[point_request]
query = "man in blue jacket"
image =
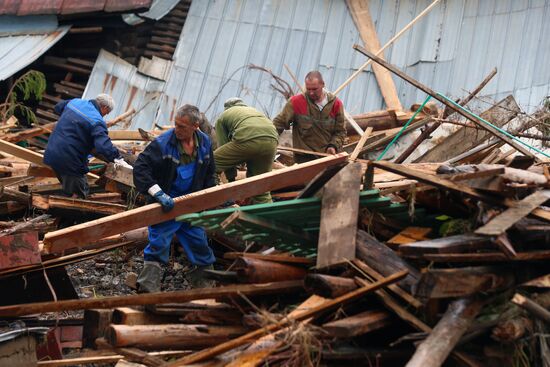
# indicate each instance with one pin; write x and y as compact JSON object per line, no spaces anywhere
{"x":178,"y":162}
{"x":80,"y":131}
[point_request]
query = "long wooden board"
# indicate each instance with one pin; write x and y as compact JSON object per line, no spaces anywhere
{"x":360,"y":13}
{"x":28,"y":155}
{"x":509,"y":217}
{"x":84,"y":233}
{"x":339,"y":212}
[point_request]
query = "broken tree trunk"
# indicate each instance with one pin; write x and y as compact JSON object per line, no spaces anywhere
{"x":433,"y":351}
{"x":171,"y":336}
{"x":251,"y":270}
{"x":328,"y":286}
{"x":191,"y":203}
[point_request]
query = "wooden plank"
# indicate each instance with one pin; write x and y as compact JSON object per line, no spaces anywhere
{"x":540,"y":255}
{"x":120,"y":174}
{"x":82,"y":205}
{"x":28,"y":155}
{"x":461,"y":282}
{"x":100,"y":359}
{"x":464,"y":139}
{"x":518,"y":146}
{"x":128,"y":135}
{"x":313,"y":312}
{"x":191,"y":203}
{"x":450,"y":244}
{"x":510,"y":216}
{"x":339,"y":213}
{"x":360,"y":13}
{"x":150,"y":298}
{"x":359,"y":324}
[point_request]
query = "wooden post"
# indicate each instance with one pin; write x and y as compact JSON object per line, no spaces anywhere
{"x":328,"y":286}
{"x":259,"y":271}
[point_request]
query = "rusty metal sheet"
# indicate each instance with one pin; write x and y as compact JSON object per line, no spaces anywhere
{"x":19,"y":250}
{"x":123,"y":5}
{"x":9,"y":7}
{"x":81,"y":6}
{"x":34,"y":7}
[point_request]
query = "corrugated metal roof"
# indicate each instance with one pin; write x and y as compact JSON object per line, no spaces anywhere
{"x":451,"y":50}
{"x":128,"y":87}
{"x":19,"y":50}
{"x":159,"y":8}
{"x":34,"y":7}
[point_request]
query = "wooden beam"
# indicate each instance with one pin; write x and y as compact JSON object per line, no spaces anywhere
{"x":28,"y":155}
{"x":150,"y":298}
{"x":360,"y":13}
{"x":120,"y":174}
{"x":339,"y":215}
{"x":359,"y":324}
{"x":81,"y":205}
{"x":451,"y":244}
{"x":509,"y":217}
{"x":313,"y":312}
{"x":191,"y":203}
{"x":328,"y":286}
{"x":425,"y":89}
{"x":275,"y":258}
{"x":100,"y":359}
{"x":486,"y":257}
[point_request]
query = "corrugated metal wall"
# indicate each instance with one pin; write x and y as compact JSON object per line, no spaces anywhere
{"x":451,"y":50}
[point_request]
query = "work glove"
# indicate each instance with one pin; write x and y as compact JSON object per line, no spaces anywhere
{"x":120,"y":162}
{"x":162,"y":198}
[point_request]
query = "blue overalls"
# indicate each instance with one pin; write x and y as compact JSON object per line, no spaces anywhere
{"x":192,"y":239}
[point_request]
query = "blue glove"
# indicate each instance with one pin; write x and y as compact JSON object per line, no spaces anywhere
{"x":166,"y":201}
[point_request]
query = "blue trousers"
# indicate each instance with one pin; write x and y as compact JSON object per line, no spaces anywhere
{"x":192,"y":239}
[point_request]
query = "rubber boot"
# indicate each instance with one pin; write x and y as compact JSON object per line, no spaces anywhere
{"x":149,"y":280}
{"x":197,"y":277}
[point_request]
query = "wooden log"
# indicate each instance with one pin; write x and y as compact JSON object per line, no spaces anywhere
{"x":251,"y":270}
{"x":313,"y":312}
{"x":359,"y":324}
{"x":532,"y":307}
{"x":385,"y":261}
{"x":328,"y":286}
{"x":462,"y":282}
{"x":171,"y":336}
{"x":194,"y":202}
{"x":476,"y":120}
{"x":150,"y":298}
{"x":339,"y":213}
{"x":16,"y":195}
{"x":433,"y":351}
{"x":11,"y":207}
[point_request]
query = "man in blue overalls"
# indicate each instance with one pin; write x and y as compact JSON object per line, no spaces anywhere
{"x":178,"y":162}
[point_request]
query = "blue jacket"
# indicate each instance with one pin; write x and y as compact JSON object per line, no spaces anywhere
{"x":158,"y":164}
{"x":79,"y":131}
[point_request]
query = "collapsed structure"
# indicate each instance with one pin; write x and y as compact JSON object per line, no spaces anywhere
{"x":425,"y":242}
